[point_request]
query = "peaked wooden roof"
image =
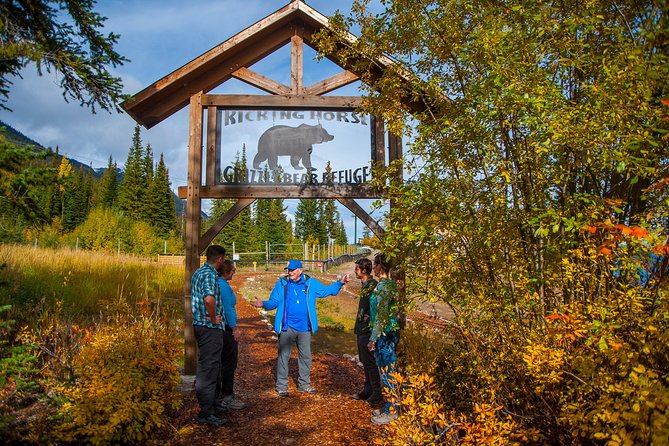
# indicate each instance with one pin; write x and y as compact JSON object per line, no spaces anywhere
{"x":204,"y":73}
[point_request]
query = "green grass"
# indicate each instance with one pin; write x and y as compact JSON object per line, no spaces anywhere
{"x":84,"y":283}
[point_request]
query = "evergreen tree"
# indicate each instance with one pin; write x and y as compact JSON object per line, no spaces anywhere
{"x":308,"y":222}
{"x":240,"y":230}
{"x":108,"y":186}
{"x":133,"y":187}
{"x":161,"y":201}
{"x":341,"y":238}
{"x":330,"y":218}
{"x":77,"y":199}
{"x":147,"y":178}
{"x":262,"y":222}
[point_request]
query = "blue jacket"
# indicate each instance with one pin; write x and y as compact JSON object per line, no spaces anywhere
{"x":315,"y":290}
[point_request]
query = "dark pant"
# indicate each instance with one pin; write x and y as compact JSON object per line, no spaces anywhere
{"x":229,"y":354}
{"x":210,"y":346}
{"x":372,"y":389}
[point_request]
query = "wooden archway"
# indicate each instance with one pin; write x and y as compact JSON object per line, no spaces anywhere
{"x":295,"y":24}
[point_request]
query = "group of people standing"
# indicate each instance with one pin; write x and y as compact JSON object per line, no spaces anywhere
{"x":294,"y":299}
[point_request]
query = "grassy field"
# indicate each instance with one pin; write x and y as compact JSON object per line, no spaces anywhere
{"x":84,"y":283}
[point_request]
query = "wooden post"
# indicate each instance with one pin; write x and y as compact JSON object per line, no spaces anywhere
{"x":213,"y":158}
{"x":193,"y":208}
{"x":297,"y":64}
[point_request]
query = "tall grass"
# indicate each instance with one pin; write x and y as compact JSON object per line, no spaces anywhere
{"x":83,"y":283}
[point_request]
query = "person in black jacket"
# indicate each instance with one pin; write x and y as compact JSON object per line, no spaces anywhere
{"x":371,"y":391}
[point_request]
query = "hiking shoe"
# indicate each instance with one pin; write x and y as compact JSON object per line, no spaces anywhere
{"x":232,"y":403}
{"x":384,"y":418}
{"x":360,"y":395}
{"x":220,"y":407}
{"x":211,"y":419}
{"x":309,"y":389}
{"x":282,"y":393}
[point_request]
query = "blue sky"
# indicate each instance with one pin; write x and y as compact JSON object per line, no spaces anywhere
{"x":158,"y":36}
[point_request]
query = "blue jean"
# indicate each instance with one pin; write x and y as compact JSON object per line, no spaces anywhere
{"x":386,"y":360}
{"x":287,"y":339}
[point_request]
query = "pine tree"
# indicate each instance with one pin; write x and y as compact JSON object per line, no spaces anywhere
{"x":147,"y":178}
{"x":241,"y":230}
{"x":108,"y":186}
{"x":308,"y":222}
{"x":341,"y":238}
{"x":161,"y":204}
{"x":330,"y":218}
{"x":133,"y":187}
{"x":77,"y":199}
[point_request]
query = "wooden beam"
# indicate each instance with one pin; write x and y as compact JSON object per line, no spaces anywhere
{"x":259,"y":81}
{"x":279,"y":102}
{"x":378,"y":141}
{"x":213,"y":147}
{"x":239,"y":206}
{"x":286,"y":191}
{"x":354,"y":207}
{"x":209,"y":75}
{"x":193,"y":208}
{"x":296,"y":64}
{"x":331,"y":83}
{"x":395,"y":154}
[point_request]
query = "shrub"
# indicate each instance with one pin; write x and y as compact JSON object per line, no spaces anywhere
{"x":126,"y":380}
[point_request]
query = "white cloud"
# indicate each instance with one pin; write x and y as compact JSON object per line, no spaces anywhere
{"x":158,"y":37}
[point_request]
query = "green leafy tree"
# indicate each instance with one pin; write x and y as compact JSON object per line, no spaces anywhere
{"x":536,"y":206}
{"x":65,"y":38}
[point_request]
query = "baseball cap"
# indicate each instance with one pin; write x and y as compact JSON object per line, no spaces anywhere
{"x":293,"y":264}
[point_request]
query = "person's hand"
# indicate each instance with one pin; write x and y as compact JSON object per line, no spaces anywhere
{"x":345,"y":279}
{"x":371,"y":346}
{"x":235,"y":334}
{"x":365,"y":318}
{"x":219,"y":319}
{"x":257,"y":303}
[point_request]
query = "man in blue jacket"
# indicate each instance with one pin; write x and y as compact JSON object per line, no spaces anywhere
{"x":294,"y":298}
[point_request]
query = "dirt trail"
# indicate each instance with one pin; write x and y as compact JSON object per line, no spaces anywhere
{"x":330,"y":417}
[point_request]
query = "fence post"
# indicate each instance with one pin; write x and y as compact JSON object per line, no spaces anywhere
{"x":118,"y":252}
{"x":35,"y":243}
{"x":76,"y":245}
{"x":165,"y":247}
{"x":266,"y":255}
